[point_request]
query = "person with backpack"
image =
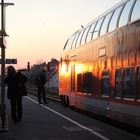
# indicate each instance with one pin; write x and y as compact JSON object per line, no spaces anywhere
{"x":15,"y":81}
{"x":40,"y":81}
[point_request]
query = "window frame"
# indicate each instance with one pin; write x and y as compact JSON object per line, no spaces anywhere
{"x":126,"y":95}
{"x":117,"y":19}
{"x":98,"y":31}
{"x":83,"y":41}
{"x":137,"y":83}
{"x":75,"y":40}
{"x":118,"y":95}
{"x":91,"y":32}
{"x":85,"y":83}
{"x":108,"y":77}
{"x":106,"y":24}
{"x":130,"y":18}
{"x":129,"y":13}
{"x":78,"y":42}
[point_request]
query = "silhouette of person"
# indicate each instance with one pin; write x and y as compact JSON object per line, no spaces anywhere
{"x":13,"y":80}
{"x":20,"y":81}
{"x":40,"y":81}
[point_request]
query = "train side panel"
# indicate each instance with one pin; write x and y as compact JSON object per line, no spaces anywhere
{"x":103,"y":76}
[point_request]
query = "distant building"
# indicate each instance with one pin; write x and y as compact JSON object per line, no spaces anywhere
{"x":52,"y":75}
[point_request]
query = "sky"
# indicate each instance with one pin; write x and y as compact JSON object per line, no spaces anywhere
{"x":38,"y":29}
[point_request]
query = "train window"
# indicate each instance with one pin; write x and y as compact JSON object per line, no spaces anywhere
{"x":138,"y":82}
{"x":85,"y":35}
{"x":125,"y":13}
{"x":118,"y":87}
{"x":75,"y":40}
{"x":106,"y":83}
{"x":136,"y":11}
{"x":79,"y":83}
{"x":87,"y":82}
{"x":97,"y":29}
{"x":78,"y":43}
{"x":66,"y":44}
{"x":128,"y":82}
{"x":114,"y":19}
{"x":90,"y":32}
{"x":105,"y":24}
{"x":69,"y":43}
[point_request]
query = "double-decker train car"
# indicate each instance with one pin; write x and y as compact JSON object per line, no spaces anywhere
{"x":99,"y":71}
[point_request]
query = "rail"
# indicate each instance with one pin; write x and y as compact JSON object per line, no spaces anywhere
{"x":50,"y":94}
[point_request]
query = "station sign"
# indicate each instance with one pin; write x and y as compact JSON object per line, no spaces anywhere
{"x":9,"y":61}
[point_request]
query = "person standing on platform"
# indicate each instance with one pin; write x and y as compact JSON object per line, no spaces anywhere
{"x":40,"y":81}
{"x":21,"y":91}
{"x":13,"y":80}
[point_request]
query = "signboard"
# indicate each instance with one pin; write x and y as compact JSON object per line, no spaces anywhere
{"x":102,"y":52}
{"x":9,"y":61}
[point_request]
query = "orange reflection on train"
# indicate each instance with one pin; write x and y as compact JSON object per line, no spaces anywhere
{"x":100,"y":67}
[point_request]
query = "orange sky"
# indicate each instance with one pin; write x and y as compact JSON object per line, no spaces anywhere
{"x":38,"y":29}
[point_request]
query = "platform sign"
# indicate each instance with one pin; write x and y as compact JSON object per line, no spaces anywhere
{"x":14,"y":61}
{"x":9,"y":61}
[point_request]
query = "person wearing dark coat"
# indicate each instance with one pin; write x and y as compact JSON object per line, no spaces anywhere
{"x":20,"y":81}
{"x":40,"y":81}
{"x":14,"y":81}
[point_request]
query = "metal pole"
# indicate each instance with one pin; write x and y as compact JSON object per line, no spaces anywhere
{"x":3,"y":45}
{"x":2,"y":66}
{"x":2,"y":57}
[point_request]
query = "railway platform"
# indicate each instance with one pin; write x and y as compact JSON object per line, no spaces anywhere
{"x":52,"y":121}
{"x":32,"y":91}
{"x":41,"y":122}
{"x":33,"y":125}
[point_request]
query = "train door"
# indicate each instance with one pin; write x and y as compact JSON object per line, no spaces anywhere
{"x":73,"y":79}
{"x":73,"y":88}
{"x":138,"y":82}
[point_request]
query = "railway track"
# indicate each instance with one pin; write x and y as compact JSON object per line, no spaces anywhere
{"x":49,"y":94}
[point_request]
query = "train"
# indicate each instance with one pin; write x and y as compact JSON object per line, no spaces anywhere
{"x":99,"y":69}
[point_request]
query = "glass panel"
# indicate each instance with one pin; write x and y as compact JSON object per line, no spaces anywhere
{"x":69,"y":42}
{"x":90,"y":32}
{"x":79,"y":83}
{"x":125,"y":13}
{"x":75,"y":40}
{"x":106,"y":83}
{"x":87,"y":82}
{"x":84,"y":36}
{"x":105,"y":24}
{"x":128,"y":82}
{"x":79,"y":38}
{"x":97,"y":29}
{"x":114,"y":19}
{"x":138,"y":82}
{"x":136,"y":11}
{"x":118,"y":87}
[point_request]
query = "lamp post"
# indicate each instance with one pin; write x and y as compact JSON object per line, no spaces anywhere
{"x":3,"y":34}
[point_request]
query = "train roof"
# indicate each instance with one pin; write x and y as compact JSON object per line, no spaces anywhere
{"x":108,"y":11}
{"x":111,"y":11}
